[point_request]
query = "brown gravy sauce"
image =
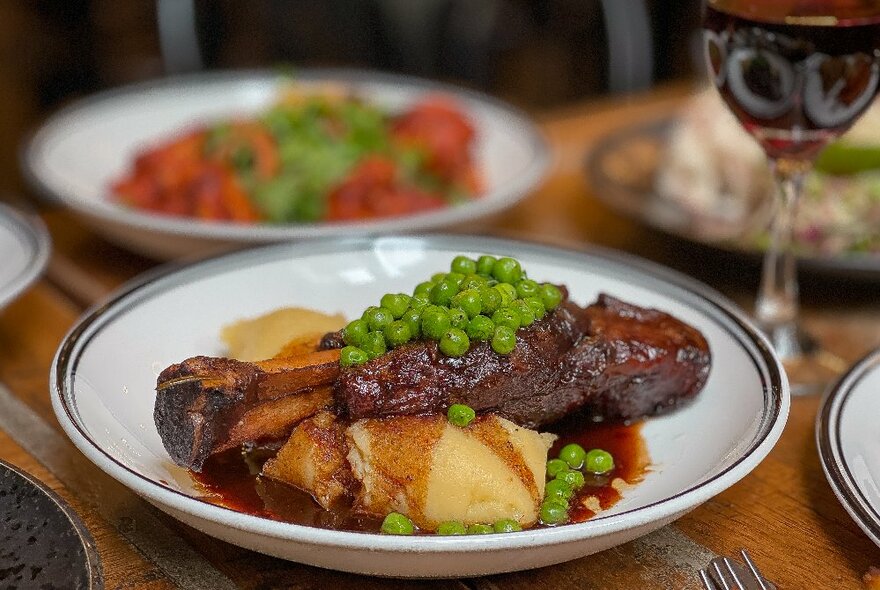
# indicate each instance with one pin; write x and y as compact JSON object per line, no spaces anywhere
{"x":231,"y":479}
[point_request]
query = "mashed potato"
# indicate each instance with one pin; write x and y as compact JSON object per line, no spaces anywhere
{"x":265,"y":336}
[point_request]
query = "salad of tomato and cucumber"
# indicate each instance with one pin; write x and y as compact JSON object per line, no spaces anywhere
{"x":328,"y":156}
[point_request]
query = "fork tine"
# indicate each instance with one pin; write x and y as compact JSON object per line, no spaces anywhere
{"x":707,"y":581}
{"x":729,"y":565}
{"x":754,"y":569}
{"x":720,"y":575}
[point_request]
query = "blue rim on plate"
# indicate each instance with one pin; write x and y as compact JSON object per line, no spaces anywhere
{"x":829,"y":443}
{"x":671,"y":283}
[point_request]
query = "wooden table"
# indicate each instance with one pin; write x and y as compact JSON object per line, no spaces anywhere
{"x":784,"y":512}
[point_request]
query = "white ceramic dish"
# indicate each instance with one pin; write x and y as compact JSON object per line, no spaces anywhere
{"x":848,"y":438}
{"x":103,"y":377}
{"x":80,"y":150}
{"x":24,"y":251}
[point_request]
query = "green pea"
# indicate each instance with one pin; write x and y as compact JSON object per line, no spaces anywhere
{"x":437,"y":277}
{"x":537,"y":306}
{"x":506,"y":525}
{"x":480,"y":328}
{"x":490,"y":301}
{"x":374,"y":345}
{"x":550,"y":295}
{"x":378,"y":318}
{"x":480,"y":529}
{"x":506,"y":316}
{"x":451,"y":527}
{"x":435,"y":322}
{"x":505,"y":296}
{"x":555,"y":466}
{"x":507,"y":270}
{"x":353,"y":334}
{"x":397,"y":333}
{"x":473,"y":282}
{"x":599,"y":462}
{"x":503,"y":340}
{"x":396,"y":303}
{"x":573,"y":478}
{"x":419,"y":301}
{"x":556,"y":488}
{"x":554,"y":512}
{"x":454,"y":342}
{"x":468,"y":301}
{"x":397,"y":524}
{"x":458,"y":319}
{"x":527,"y":288}
{"x":351,"y":356}
{"x":526,"y":315}
{"x":455,"y":277}
{"x":424,"y":288}
{"x":574,"y":455}
{"x":443,"y":292}
{"x":460,"y":415}
{"x":413,"y":319}
{"x":464,"y":265}
{"x":485,"y":264}
{"x":508,"y":292}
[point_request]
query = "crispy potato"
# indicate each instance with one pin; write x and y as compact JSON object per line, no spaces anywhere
{"x":313,"y":460}
{"x":432,"y":471}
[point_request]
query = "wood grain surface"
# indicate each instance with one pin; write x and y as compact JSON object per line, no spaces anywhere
{"x":784,"y":512}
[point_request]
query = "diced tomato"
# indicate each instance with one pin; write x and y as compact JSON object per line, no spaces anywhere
{"x":257,"y":138}
{"x":372,"y":191}
{"x":439,"y":128}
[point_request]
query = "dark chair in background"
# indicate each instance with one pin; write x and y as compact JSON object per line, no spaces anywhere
{"x":430,"y":36}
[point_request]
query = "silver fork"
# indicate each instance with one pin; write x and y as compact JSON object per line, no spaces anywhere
{"x":723,"y":573}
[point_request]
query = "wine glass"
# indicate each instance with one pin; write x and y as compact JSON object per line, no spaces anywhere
{"x":797,"y":74}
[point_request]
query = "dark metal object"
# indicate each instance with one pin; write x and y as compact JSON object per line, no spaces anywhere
{"x":723,"y":573}
{"x":43,"y":543}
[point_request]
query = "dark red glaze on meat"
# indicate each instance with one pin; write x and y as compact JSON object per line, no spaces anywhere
{"x":614,"y":359}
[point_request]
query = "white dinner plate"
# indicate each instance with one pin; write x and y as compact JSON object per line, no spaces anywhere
{"x":24,"y":251}
{"x":103,"y":377}
{"x":848,"y":438}
{"x":80,"y":150}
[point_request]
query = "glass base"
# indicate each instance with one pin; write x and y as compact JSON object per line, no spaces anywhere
{"x":810,"y":368}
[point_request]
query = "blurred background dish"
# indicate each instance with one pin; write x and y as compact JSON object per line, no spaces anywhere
{"x":700,"y":176}
{"x":80,"y":152}
{"x":24,"y":250}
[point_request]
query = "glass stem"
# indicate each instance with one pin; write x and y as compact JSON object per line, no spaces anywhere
{"x":777,"y":304}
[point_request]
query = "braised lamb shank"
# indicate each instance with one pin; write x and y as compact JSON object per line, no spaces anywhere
{"x":610,"y":360}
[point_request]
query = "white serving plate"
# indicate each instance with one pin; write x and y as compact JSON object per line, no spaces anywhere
{"x":848,"y":439}
{"x":80,"y":150}
{"x":24,"y":251}
{"x":103,"y":377}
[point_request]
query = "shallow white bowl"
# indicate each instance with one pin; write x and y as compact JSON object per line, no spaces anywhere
{"x":80,"y":150}
{"x":103,"y":377}
{"x":848,"y":439}
{"x":24,"y":252}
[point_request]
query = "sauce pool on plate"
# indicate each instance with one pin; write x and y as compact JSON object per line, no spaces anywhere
{"x":231,"y":480}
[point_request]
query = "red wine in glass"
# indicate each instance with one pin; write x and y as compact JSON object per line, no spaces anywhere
{"x":796,"y":74}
